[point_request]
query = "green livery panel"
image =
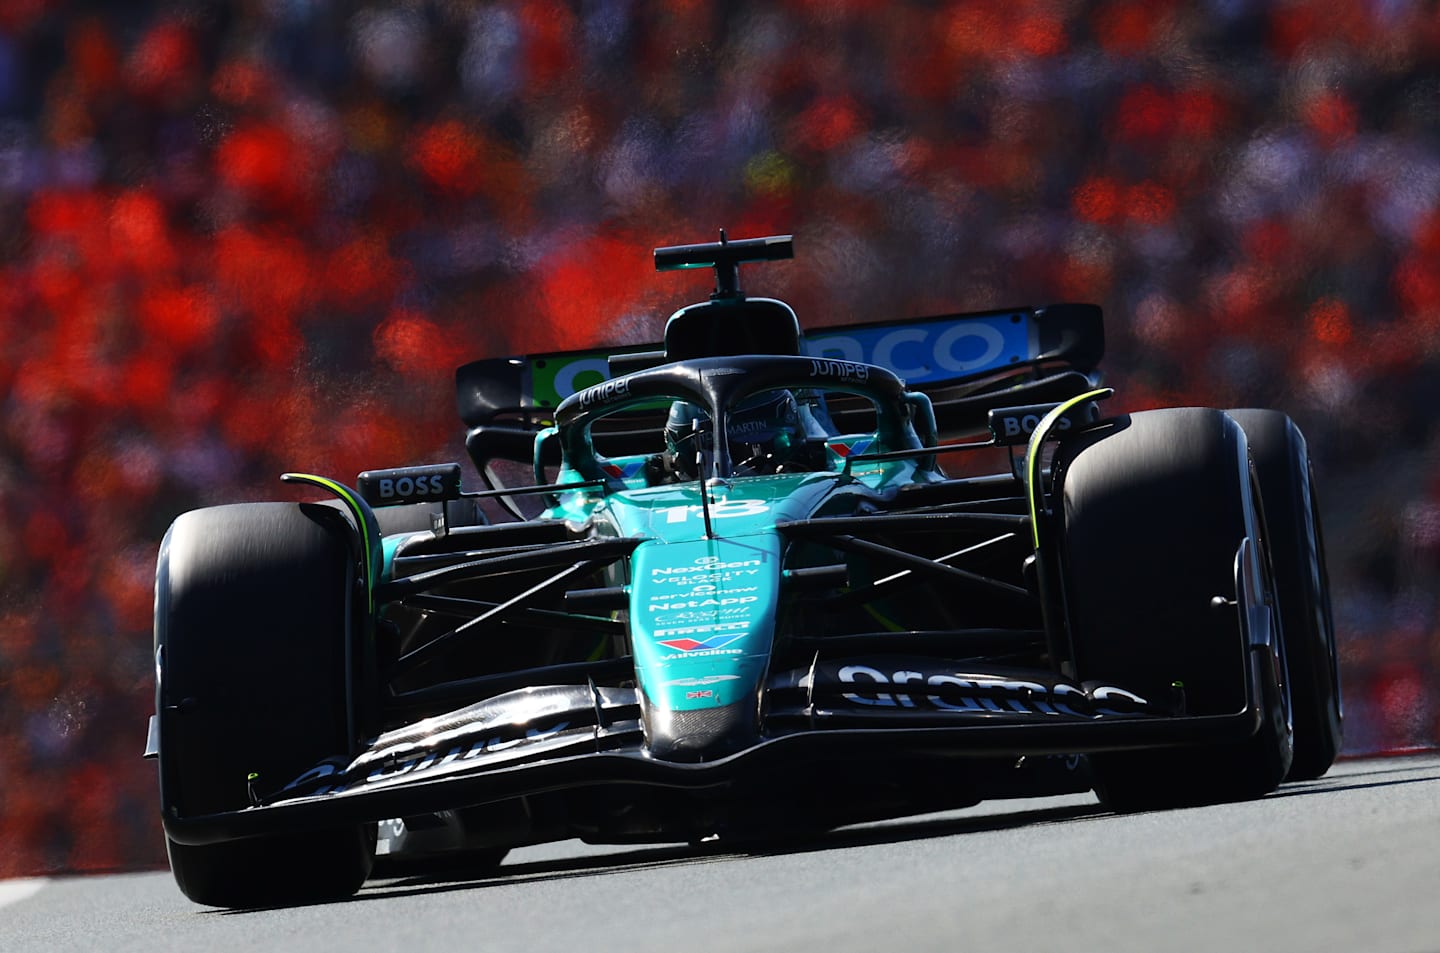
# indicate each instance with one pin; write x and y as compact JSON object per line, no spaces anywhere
{"x":703,"y":617}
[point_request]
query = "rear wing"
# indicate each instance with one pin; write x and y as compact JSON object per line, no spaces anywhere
{"x":967,"y":364}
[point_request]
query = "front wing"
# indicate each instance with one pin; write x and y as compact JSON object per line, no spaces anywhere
{"x":559,"y":738}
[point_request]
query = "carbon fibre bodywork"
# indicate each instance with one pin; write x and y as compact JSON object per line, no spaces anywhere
{"x":848,"y":634}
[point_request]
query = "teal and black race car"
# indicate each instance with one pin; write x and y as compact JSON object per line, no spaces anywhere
{"x":762,"y":584}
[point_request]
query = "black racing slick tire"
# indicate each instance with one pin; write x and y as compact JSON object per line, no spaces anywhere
{"x":1302,"y":588}
{"x":1155,"y":506}
{"x":254,"y":617}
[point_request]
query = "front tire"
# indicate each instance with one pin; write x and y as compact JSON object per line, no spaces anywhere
{"x":312,"y":867}
{"x":1155,"y":508}
{"x":1302,"y":587}
{"x":253,"y":635}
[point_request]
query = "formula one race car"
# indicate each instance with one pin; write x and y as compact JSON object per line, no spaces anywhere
{"x":754,"y":600}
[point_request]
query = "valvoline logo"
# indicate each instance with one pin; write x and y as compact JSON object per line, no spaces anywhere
{"x":849,"y":448}
{"x":624,"y":470}
{"x":695,"y":645}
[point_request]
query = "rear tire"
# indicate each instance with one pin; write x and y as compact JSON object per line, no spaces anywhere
{"x":1297,"y":553}
{"x":253,"y":615}
{"x":1155,"y":507}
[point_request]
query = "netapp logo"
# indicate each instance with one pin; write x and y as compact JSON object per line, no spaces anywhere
{"x":707,"y":603}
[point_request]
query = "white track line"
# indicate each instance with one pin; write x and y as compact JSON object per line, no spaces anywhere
{"x":13,"y":891}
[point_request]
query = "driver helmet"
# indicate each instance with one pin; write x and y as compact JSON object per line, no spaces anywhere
{"x":765,"y":431}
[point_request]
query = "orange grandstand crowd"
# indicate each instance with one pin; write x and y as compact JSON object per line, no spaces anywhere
{"x":239,"y":238}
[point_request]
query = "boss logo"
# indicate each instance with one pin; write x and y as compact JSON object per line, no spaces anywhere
{"x":1014,"y":425}
{"x":405,"y":486}
{"x":410,"y":485}
{"x":1025,"y":424}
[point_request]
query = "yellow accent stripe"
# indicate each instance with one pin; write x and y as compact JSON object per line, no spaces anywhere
{"x":1037,"y":440}
{"x":889,"y":624}
{"x":349,"y":499}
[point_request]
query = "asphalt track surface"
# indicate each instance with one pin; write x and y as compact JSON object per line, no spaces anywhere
{"x":1350,"y":862}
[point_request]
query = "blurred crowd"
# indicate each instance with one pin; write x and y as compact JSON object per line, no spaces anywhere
{"x":243,"y":237}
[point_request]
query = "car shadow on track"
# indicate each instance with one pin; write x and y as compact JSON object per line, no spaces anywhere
{"x":432,"y":880}
{"x":718,"y":851}
{"x":1355,"y":782}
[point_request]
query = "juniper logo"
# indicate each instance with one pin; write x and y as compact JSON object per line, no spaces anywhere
{"x":844,"y":370}
{"x":607,"y":391}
